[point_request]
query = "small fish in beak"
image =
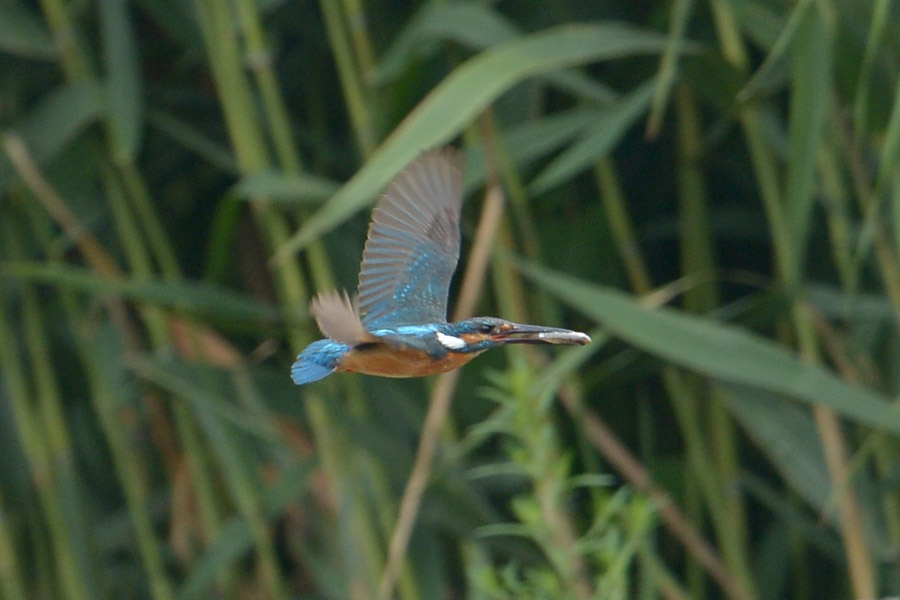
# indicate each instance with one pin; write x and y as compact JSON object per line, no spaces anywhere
{"x":536,"y":334}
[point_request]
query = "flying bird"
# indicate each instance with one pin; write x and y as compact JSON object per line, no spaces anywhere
{"x":398,"y":327}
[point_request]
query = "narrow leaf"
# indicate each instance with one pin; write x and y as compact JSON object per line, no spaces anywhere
{"x":874,"y":46}
{"x":600,"y":139}
{"x":288,"y":188}
{"x":774,"y":68}
{"x":123,"y":79}
{"x":202,"y":298}
{"x":787,"y":435}
{"x":810,"y":86}
{"x":533,"y":140}
{"x":668,"y":65}
{"x":194,"y":140}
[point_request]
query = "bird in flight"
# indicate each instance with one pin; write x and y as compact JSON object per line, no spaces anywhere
{"x":398,"y":327}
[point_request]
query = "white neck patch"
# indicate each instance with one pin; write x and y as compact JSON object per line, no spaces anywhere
{"x":450,"y":342}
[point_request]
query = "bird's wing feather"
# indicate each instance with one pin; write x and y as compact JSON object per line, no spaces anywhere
{"x":413,"y":244}
{"x":337,"y":319}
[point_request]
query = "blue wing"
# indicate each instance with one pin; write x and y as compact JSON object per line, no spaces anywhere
{"x":413,"y":244}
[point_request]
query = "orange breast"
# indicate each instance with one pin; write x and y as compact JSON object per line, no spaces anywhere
{"x":391,"y":362}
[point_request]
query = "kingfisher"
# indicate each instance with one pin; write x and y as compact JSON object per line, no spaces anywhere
{"x":398,"y":325}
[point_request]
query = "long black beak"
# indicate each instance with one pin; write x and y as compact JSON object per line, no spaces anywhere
{"x":536,"y":334}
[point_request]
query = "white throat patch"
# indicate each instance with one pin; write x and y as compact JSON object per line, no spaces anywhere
{"x":450,"y":342}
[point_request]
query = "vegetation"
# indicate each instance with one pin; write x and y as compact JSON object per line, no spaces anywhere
{"x":710,"y":189}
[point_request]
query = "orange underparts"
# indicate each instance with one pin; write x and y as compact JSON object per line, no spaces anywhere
{"x":386,"y":361}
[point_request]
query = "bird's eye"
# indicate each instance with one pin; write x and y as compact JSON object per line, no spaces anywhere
{"x":486,"y":328}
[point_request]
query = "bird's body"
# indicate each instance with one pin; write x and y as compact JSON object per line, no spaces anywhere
{"x":388,"y":355}
{"x":387,"y":361}
{"x":399,"y":328}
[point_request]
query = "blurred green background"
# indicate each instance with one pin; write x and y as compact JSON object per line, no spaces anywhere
{"x":710,"y":189}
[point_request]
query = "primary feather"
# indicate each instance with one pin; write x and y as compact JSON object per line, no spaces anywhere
{"x":413,"y":244}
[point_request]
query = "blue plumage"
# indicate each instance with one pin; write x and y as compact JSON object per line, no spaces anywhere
{"x":413,"y":245}
{"x":317,"y":360}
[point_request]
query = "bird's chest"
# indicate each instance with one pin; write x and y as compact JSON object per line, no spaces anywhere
{"x":386,"y":361}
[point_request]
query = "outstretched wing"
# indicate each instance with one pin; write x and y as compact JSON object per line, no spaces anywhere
{"x":413,"y":244}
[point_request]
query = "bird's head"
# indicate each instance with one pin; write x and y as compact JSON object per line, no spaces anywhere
{"x":482,"y":333}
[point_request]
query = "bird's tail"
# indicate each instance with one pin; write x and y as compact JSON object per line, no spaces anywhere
{"x":318,"y":360}
{"x":305,"y":371}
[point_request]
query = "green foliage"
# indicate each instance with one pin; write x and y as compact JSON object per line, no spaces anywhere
{"x":609,"y":544}
{"x":177,"y":179}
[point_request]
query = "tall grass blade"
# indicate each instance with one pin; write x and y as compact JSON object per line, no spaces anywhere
{"x":811,"y":81}
{"x":773,"y":71}
{"x":195,"y":141}
{"x":598,"y":139}
{"x":196,"y":297}
{"x":287,"y":188}
{"x":875,"y":39}
{"x":124,"y":110}
{"x":668,"y":65}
